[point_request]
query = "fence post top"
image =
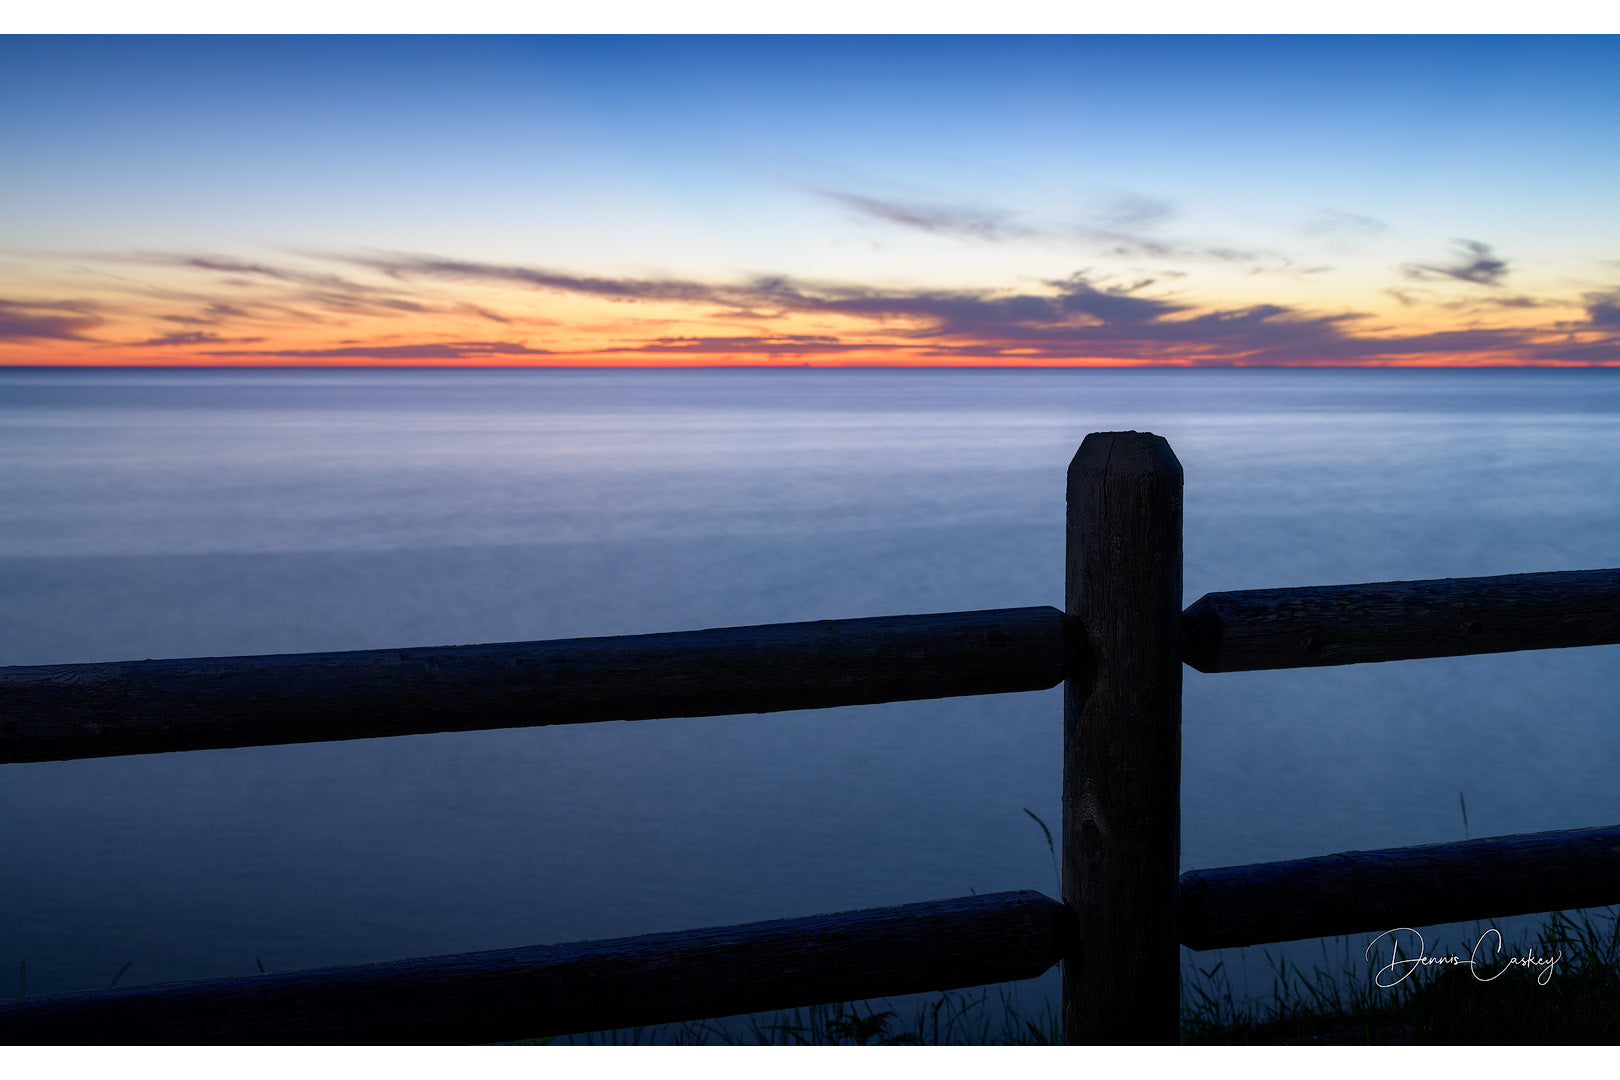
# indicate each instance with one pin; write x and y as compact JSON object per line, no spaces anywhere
{"x":1136,"y":452}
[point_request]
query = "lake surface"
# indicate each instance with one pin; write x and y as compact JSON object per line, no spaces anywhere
{"x":208,"y":513}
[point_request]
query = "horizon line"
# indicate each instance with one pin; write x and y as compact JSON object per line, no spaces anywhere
{"x":1080,"y":366}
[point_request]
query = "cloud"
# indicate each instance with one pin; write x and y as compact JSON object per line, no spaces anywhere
{"x":450,"y":350}
{"x":1126,"y":245}
{"x":483,"y":313}
{"x":243,"y":269}
{"x":194,"y":337}
{"x":933,"y":218}
{"x":1079,"y":318}
{"x":320,"y":290}
{"x":780,"y":345}
{"x":354,"y":305}
{"x":1602,"y":351}
{"x":1329,"y":221}
{"x":1129,"y":212}
{"x":1076,"y":317}
{"x":1262,"y":333}
{"x":403,"y":266}
{"x":1118,"y":225}
{"x":1477,"y":264}
{"x":21,"y":321}
{"x":1603,"y":308}
{"x":1075,"y":302}
{"x":1115,"y":305}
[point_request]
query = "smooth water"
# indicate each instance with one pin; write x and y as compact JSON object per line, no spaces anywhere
{"x":188,"y":513}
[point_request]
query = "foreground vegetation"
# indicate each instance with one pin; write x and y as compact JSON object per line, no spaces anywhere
{"x":1504,"y":1001}
{"x":982,"y":1017}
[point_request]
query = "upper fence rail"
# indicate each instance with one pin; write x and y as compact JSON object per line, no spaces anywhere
{"x":1400,"y":620}
{"x":67,"y":711}
{"x":151,"y":706}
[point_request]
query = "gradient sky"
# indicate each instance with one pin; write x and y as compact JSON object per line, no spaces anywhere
{"x":823,"y":200}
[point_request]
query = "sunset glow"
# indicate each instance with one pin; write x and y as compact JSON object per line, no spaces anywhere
{"x":796,"y":200}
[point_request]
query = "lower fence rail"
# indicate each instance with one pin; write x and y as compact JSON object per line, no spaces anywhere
{"x":1373,"y":891}
{"x":542,"y":990}
{"x":508,"y":994}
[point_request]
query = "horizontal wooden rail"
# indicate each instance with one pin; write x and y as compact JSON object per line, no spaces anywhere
{"x":1400,"y":620}
{"x":509,"y":994}
{"x":1375,"y":891}
{"x":152,"y":706}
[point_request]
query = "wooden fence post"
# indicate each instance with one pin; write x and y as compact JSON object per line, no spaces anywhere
{"x":1122,"y":741}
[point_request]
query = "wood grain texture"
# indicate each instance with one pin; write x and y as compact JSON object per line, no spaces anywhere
{"x":1122,"y":741}
{"x":152,"y":706}
{"x":505,"y":995}
{"x":1375,"y":891}
{"x":1401,"y":620}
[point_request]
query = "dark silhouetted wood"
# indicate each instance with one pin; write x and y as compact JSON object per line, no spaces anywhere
{"x":1401,"y":620}
{"x":152,"y":706}
{"x":1122,"y":741}
{"x":509,"y":994}
{"x":1375,"y":891}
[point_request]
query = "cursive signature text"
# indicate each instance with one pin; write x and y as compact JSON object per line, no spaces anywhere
{"x":1401,"y":967}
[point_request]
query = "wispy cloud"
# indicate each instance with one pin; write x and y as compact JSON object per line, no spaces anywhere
{"x":245,"y":270}
{"x":1132,"y":212}
{"x":784,"y":345}
{"x":405,"y":266}
{"x":286,"y":290}
{"x":1476,"y":264}
{"x":1119,"y":225}
{"x":484,"y":313}
{"x":1328,"y":222}
{"x":450,"y":350}
{"x":21,"y":321}
{"x":941,"y":219}
{"x":194,"y":337}
{"x":1122,"y":225}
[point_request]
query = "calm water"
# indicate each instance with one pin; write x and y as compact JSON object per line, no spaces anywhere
{"x":167,"y":514}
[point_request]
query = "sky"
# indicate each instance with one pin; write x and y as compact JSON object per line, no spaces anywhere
{"x":826,"y":200}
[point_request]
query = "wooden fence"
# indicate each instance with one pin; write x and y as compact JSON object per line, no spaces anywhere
{"x":1118,"y":649}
